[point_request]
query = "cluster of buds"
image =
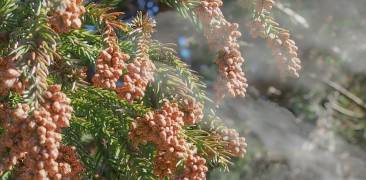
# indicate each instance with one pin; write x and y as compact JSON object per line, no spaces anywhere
{"x":141,"y":70}
{"x":67,"y":15}
{"x":140,"y":74}
{"x":213,"y":22}
{"x":37,"y":137}
{"x":71,"y":161}
{"x":54,"y":114}
{"x":162,"y":128}
{"x":235,"y":144}
{"x":222,"y":37}
{"x":111,"y":62}
{"x":165,"y":164}
{"x":232,"y":78}
{"x":166,"y":160}
{"x":16,"y":138}
{"x":9,"y":76}
{"x":283,"y":48}
{"x":193,"y":111}
{"x":195,"y":168}
{"x":109,"y":67}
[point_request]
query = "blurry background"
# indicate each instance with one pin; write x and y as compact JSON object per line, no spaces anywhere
{"x":311,"y":128}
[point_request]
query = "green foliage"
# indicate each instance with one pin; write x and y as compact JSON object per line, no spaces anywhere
{"x":99,"y":130}
{"x":98,"y":14}
{"x":210,"y":146}
{"x":7,"y":176}
{"x":82,"y":45}
{"x":34,"y":43}
{"x":185,"y":8}
{"x":6,"y":15}
{"x":175,"y":78}
{"x":112,"y":3}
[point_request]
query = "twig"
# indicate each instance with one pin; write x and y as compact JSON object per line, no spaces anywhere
{"x":341,"y":90}
{"x":346,"y":112}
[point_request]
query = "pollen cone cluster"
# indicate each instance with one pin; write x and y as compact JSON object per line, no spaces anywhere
{"x":141,"y":70}
{"x":67,"y":16}
{"x":232,"y":78}
{"x":162,"y":128}
{"x":283,"y":48}
{"x":71,"y":161}
{"x":14,"y":143}
{"x":159,"y":127}
{"x":193,"y":111}
{"x":222,"y":37}
{"x":235,"y":144}
{"x":9,"y":76}
{"x":285,"y":52}
{"x":36,"y":138}
{"x":109,"y":67}
{"x":166,"y":160}
{"x":194,"y":168}
{"x":110,"y":63}
{"x":140,"y":74}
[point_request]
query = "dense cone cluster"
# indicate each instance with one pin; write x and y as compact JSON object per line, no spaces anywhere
{"x":166,"y":160}
{"x":9,"y":76}
{"x":222,"y":37}
{"x":210,"y":15}
{"x":232,"y":78}
{"x":53,"y":115}
{"x":111,"y":61}
{"x":15,"y":142}
{"x":283,"y":48}
{"x":194,"y":168}
{"x":37,"y":138}
{"x":141,"y":70}
{"x":140,"y":74}
{"x":165,"y":164}
{"x":285,"y":52}
{"x":159,"y":127}
{"x":71,"y":161}
{"x":235,"y":144}
{"x":66,"y":16}
{"x":162,"y":128}
{"x":109,"y":67}
{"x":193,"y":111}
